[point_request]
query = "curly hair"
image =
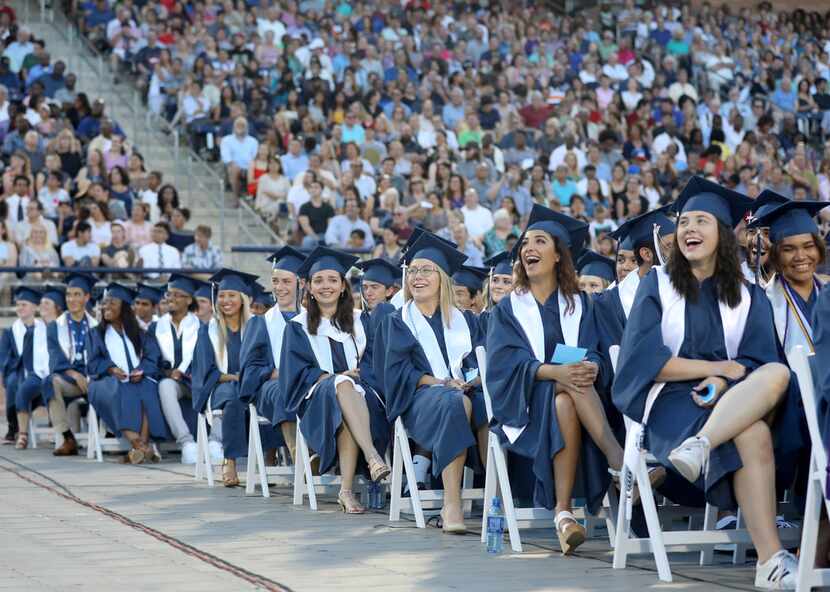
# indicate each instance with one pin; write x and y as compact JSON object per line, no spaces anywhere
{"x":343,"y":317}
{"x":727,"y":276}
{"x":775,"y":253}
{"x":566,"y":278}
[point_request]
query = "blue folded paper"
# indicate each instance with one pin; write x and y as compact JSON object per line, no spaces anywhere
{"x":567,"y":354}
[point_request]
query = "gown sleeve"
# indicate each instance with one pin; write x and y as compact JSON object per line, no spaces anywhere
{"x":298,"y":367}
{"x":403,"y":362}
{"x":476,"y":337}
{"x":589,"y":338}
{"x":511,"y":367}
{"x":164,"y":365}
{"x":255,"y":358}
{"x":369,"y":371}
{"x":204,"y":372}
{"x":821,"y":361}
{"x":759,"y":344}
{"x":58,"y":361}
{"x":5,"y":351}
{"x":98,"y":359}
{"x":150,"y":356}
{"x":642,"y":352}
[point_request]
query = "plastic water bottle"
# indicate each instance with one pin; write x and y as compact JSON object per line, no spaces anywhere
{"x":375,"y":498}
{"x":495,"y":527}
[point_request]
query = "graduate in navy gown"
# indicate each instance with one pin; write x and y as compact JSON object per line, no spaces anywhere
{"x":52,"y":303}
{"x":145,"y":305}
{"x":397,"y":300}
{"x":66,"y":340}
{"x":756,"y":249}
{"x":341,"y":416}
{"x":430,"y":376}
{"x":499,"y":284}
{"x":216,"y":367}
{"x":379,"y":283}
{"x":176,"y":332}
{"x":468,"y":283}
{"x":262,"y":348}
{"x":28,"y":360}
{"x":821,"y":367}
{"x":262,"y":300}
{"x":204,"y":301}
{"x":797,"y":250}
{"x":123,"y":368}
{"x":596,"y":273}
{"x":695,"y":324}
{"x":544,"y":410}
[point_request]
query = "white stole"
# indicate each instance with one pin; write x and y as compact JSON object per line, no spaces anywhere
{"x":397,"y":300}
{"x":526,"y":310}
{"x":456,"y":336}
{"x":275,"y":323}
{"x":627,"y":289}
{"x":40,"y":352}
{"x":220,"y":356}
{"x":673,"y":325}
{"x":118,"y":355}
{"x":189,"y":330}
{"x":65,"y":339}
{"x":786,"y":325}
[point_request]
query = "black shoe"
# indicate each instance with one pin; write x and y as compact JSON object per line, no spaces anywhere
{"x":10,"y":438}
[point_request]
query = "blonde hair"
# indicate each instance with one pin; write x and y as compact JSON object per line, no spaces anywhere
{"x":446,"y":296}
{"x":244,"y":316}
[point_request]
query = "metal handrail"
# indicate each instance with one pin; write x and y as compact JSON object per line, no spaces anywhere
{"x":272,"y":248}
{"x":103,"y":270}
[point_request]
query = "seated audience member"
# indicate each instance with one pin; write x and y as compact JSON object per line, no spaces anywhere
{"x":158,"y":254}
{"x":202,"y":254}
{"x":81,"y":251}
{"x":238,"y":150}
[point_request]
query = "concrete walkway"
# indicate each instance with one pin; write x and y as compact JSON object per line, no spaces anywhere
{"x":72,"y":524}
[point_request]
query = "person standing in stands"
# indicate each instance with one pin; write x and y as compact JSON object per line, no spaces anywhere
{"x":66,"y":339}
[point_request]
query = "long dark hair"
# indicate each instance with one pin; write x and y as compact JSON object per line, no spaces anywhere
{"x":566,"y":280}
{"x":343,"y":317}
{"x":129,"y":325}
{"x":727,"y":277}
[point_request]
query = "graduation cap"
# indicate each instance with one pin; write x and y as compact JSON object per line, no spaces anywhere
{"x":27,"y":295}
{"x":640,"y":230}
{"x":591,"y":263}
{"x":229,"y":279}
{"x":323,"y":258}
{"x":571,"y":232}
{"x":380,"y":271}
{"x":287,"y":259}
{"x":417,"y":232}
{"x":726,"y":205}
{"x":766,"y":202}
{"x":81,"y":280}
{"x":147,"y":292}
{"x":122,"y":293}
{"x":203,"y":289}
{"x":56,"y":294}
{"x":500,"y":264}
{"x":186,"y":284}
{"x":435,"y":249}
{"x":470,"y":277}
{"x":791,"y":218}
{"x":262,"y":296}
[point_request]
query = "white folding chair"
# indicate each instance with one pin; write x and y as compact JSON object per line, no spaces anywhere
{"x":497,"y":479}
{"x":204,"y":465}
{"x":809,"y":576}
{"x":419,"y":500}
{"x":40,"y":430}
{"x":96,"y":441}
{"x":306,"y":484}
{"x":256,"y":469}
{"x":635,"y":472}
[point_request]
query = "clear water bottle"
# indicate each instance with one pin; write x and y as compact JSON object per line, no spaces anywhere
{"x":495,"y":527}
{"x":375,"y":496}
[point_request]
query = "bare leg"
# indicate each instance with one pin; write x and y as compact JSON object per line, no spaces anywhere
{"x":745,"y":403}
{"x":483,"y":437}
{"x":591,"y":415}
{"x":755,"y":488}
{"x":347,"y":451}
{"x":564,"y":463}
{"x":356,"y":416}
{"x":451,"y":476}
{"x":289,"y":434}
{"x":23,"y":422}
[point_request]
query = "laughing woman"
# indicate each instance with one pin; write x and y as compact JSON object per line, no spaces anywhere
{"x":341,"y":416}
{"x":215,"y":366}
{"x":498,"y":285}
{"x":430,"y":375}
{"x":695,"y":330}
{"x":123,"y":368}
{"x":543,"y":407}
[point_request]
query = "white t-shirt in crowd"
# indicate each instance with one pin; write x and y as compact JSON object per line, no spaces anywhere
{"x":477,"y":220}
{"x":78,"y":252}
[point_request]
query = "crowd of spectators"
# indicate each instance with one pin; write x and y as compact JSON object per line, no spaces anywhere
{"x":350,"y":122}
{"x":75,"y":192}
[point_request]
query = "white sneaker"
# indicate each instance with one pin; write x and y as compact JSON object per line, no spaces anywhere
{"x":217,"y":453}
{"x":779,"y":572}
{"x":189,"y":453}
{"x":691,"y":457}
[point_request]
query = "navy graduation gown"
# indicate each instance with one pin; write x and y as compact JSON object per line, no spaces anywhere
{"x":371,"y":321}
{"x":121,"y":404}
{"x":433,"y":416}
{"x":30,"y":386}
{"x":519,"y":399}
{"x":320,"y":415}
{"x":610,"y":318}
{"x":9,"y":363}
{"x":821,"y":361}
{"x":674,"y":415}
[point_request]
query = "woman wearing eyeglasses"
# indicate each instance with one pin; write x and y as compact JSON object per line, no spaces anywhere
{"x":430,"y":377}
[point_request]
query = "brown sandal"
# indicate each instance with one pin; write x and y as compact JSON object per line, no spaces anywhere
{"x":378,"y":469}
{"x":347,"y":501}
{"x":570,"y":532}
{"x":22,"y":442}
{"x":230,"y":477}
